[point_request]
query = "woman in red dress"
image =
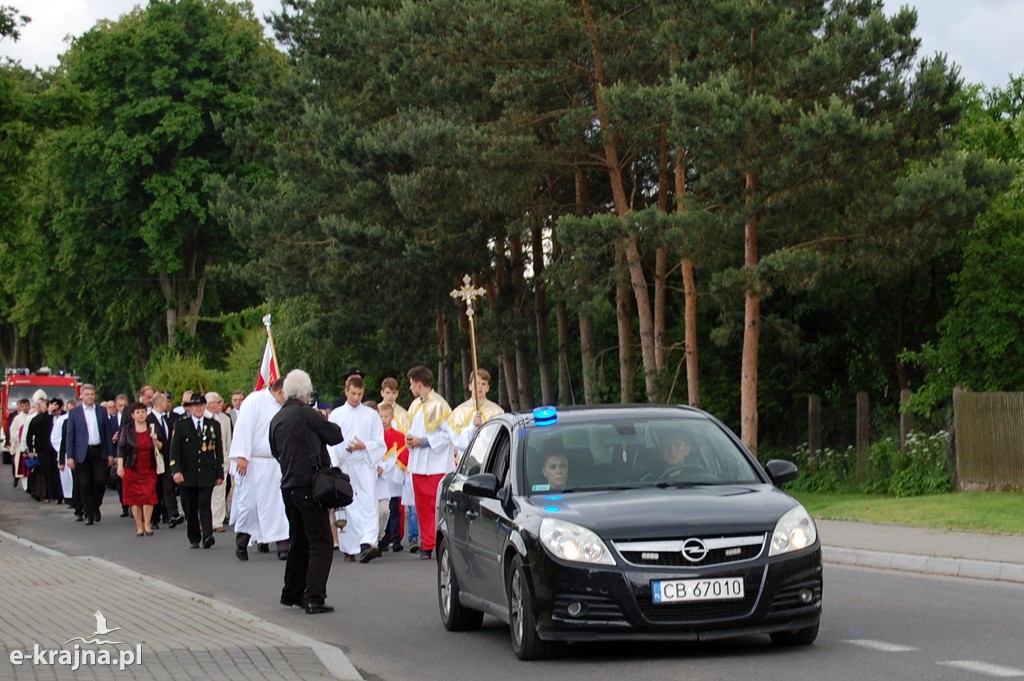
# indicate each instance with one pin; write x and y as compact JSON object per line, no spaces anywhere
{"x":138,"y":460}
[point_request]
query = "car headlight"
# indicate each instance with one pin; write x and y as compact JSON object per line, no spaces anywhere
{"x":794,"y":531}
{"x":569,"y":541}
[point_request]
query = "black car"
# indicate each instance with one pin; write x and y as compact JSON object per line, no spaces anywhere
{"x":625,"y":522}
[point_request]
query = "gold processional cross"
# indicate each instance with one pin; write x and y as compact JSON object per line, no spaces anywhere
{"x":467,"y":293}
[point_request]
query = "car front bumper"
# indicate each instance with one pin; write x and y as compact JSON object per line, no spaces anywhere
{"x":783,"y":593}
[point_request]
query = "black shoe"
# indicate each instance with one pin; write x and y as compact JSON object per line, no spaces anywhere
{"x":290,"y":602}
{"x":88,"y":520}
{"x":397,"y":548}
{"x":155,"y":526}
{"x":193,"y":546}
{"x":318,"y":608}
{"x":369,"y":553}
{"x":208,"y":542}
{"x":263,"y":548}
{"x":125,"y":513}
{"x":282,"y":555}
{"x":97,"y":516}
{"x":241,"y":554}
{"x":79,"y":517}
{"x":425,"y":554}
{"x":175,"y":521}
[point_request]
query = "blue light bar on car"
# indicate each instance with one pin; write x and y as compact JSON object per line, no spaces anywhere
{"x":545,"y":416}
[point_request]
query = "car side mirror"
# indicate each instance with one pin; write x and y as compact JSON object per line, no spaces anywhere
{"x":482,"y":485}
{"x":781,"y":471}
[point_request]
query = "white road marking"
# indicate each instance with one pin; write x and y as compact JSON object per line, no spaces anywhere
{"x":883,"y":646}
{"x":984,"y":668}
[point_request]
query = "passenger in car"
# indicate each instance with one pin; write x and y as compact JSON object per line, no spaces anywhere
{"x":556,"y":471}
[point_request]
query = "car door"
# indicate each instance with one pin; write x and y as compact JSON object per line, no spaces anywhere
{"x":461,"y":508}
{"x":487,"y":518}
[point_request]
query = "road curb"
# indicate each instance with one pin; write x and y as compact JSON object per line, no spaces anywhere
{"x":935,"y":565}
{"x":332,"y":657}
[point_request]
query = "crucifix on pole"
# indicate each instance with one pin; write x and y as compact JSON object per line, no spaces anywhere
{"x":468,"y":294}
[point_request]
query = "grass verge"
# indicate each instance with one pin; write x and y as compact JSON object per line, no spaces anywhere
{"x":992,"y":512}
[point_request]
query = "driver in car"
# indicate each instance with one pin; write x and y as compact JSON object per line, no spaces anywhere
{"x":674,"y":454}
{"x":677,"y":452}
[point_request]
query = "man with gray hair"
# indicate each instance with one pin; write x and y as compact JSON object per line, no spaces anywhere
{"x":215,"y":410}
{"x":299,"y":436}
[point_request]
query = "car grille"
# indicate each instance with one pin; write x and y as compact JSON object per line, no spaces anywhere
{"x":672,"y":553}
{"x":595,"y":608}
{"x":705,"y":611}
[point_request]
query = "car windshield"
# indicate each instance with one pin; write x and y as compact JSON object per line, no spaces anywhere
{"x":624,"y":452}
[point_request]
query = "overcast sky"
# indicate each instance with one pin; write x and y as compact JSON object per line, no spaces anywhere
{"x":982,"y":36}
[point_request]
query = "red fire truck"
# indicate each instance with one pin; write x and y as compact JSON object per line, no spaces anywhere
{"x":19,"y":383}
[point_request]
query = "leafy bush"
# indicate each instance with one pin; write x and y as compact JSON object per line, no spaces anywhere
{"x":177,"y":374}
{"x":829,"y":471}
{"x":923,"y":467}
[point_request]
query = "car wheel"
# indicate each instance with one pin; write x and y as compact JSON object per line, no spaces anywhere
{"x":454,"y":615}
{"x":526,"y":644}
{"x":800,"y":637}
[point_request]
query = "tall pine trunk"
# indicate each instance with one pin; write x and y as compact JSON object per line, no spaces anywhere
{"x":542,"y":316}
{"x":689,"y":293}
{"x":633,"y":259}
{"x":624,"y":323}
{"x":588,"y":343}
{"x":752,"y":301}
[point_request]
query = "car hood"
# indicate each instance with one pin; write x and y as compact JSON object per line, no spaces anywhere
{"x":660,"y":513}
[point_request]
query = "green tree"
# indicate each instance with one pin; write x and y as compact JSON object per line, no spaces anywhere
{"x":980,"y":334}
{"x":10,"y":22}
{"x":131,"y":179}
{"x":789,"y":103}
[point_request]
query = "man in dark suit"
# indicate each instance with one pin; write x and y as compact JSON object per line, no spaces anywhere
{"x":197,"y":466}
{"x":167,"y":491}
{"x":89,"y":452}
{"x":118,"y":418}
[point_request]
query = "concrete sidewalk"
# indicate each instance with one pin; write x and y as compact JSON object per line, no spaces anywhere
{"x":164,"y":632}
{"x":918,"y":549}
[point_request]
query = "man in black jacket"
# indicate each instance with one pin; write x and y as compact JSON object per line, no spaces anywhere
{"x":197,"y":466}
{"x":299,"y":435}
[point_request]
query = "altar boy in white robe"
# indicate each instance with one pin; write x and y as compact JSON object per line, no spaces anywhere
{"x":358,"y":455}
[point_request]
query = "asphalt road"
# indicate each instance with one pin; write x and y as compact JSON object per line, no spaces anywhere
{"x":876,"y":624}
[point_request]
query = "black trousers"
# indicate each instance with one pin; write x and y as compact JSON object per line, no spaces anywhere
{"x":92,"y":480}
{"x":393,"y":530}
{"x":198,"y":513}
{"x":311,"y":550}
{"x":76,"y":491}
{"x":170,"y":491}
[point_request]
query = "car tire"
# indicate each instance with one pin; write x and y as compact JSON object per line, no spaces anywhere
{"x":800,"y":637}
{"x":526,"y":643}
{"x":454,"y":615}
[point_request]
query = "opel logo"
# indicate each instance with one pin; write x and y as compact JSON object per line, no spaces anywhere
{"x":694,"y":550}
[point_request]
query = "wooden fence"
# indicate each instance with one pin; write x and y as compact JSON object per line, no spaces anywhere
{"x":989,"y":436}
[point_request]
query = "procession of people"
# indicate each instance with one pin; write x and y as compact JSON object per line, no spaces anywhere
{"x":234,"y":464}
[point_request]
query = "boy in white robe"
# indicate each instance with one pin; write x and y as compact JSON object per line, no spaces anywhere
{"x":358,"y":455}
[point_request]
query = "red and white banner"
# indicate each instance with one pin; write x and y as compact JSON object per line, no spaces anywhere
{"x":268,"y":368}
